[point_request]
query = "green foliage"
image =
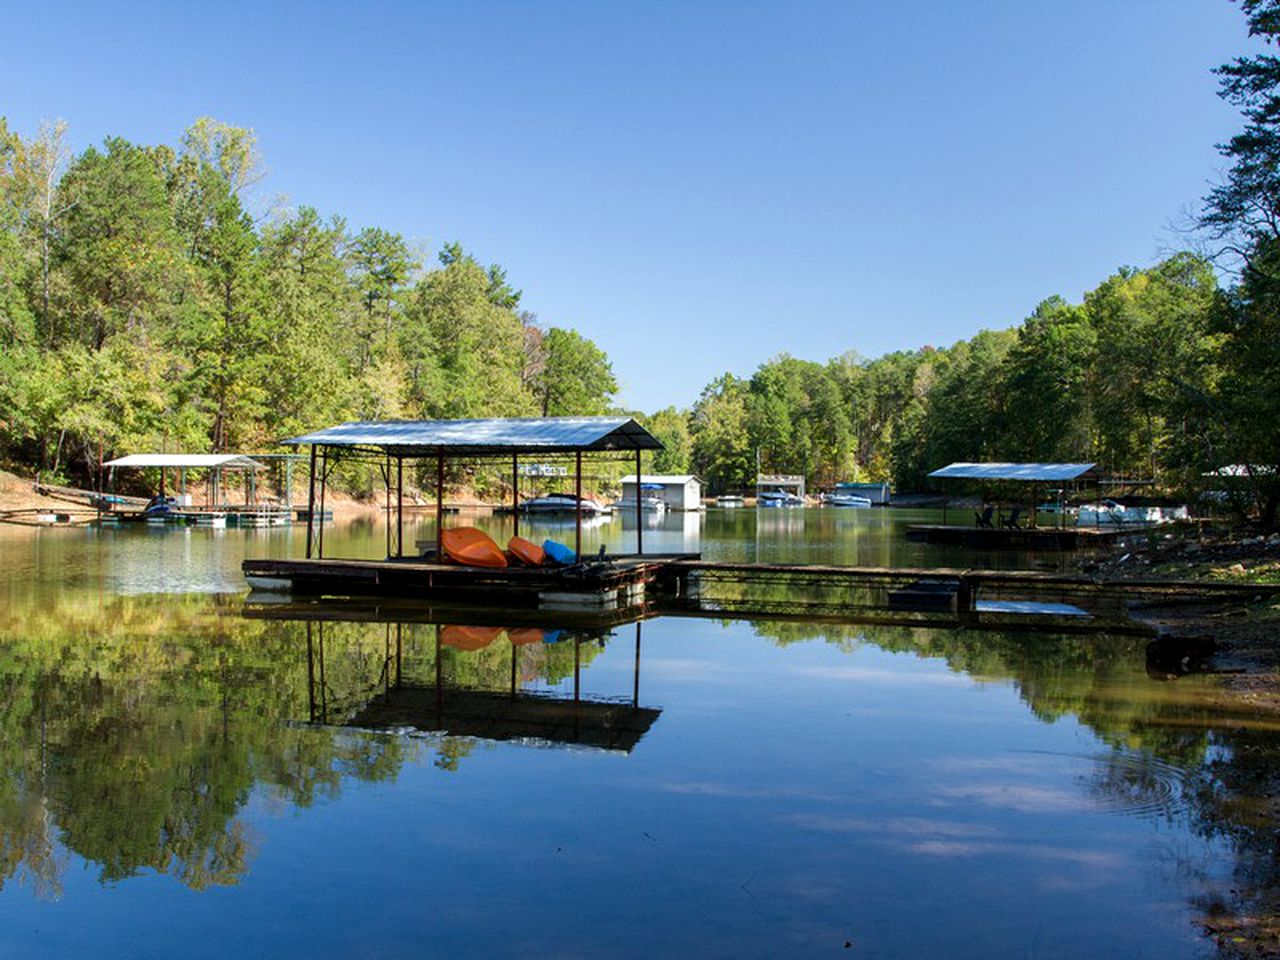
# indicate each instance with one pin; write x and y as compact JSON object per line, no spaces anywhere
{"x":142,"y":307}
{"x":722,"y":453}
{"x":1125,"y":379}
{"x":671,"y":427}
{"x":576,"y":377}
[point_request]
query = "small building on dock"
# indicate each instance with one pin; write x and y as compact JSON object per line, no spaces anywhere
{"x":677,"y":491}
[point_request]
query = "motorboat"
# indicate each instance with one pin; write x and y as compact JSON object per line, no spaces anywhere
{"x":647,"y":504}
{"x":778,"y":498}
{"x":730,"y":500}
{"x":561,"y":503}
{"x":1112,"y":513}
{"x":843,"y":496}
{"x":838,"y":499}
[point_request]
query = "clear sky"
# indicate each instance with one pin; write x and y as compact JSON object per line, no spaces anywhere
{"x":696,"y":186}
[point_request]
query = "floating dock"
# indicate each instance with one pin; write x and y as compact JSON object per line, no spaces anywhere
{"x":632,"y":587}
{"x":1019,"y":538}
{"x":620,"y":581}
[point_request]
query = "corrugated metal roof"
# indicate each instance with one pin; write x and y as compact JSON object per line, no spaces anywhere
{"x":478,"y":437}
{"x":681,"y":478}
{"x":179,"y":460}
{"x":1013,"y":471}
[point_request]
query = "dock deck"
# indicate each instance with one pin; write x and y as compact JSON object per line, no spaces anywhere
{"x":619,"y":581}
{"x":1019,"y":538}
{"x":639,"y":586}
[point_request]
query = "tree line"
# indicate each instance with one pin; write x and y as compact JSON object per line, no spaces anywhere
{"x":1128,"y":378}
{"x":1168,"y":373}
{"x":144,"y":306}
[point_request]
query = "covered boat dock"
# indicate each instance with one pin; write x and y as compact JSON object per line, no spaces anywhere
{"x":214,"y":466}
{"x":991,"y":529}
{"x":441,"y":443}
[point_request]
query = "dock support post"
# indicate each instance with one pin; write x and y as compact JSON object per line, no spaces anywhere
{"x":439,"y":682}
{"x":399,"y":507}
{"x":439,"y":506}
{"x":324,"y":686}
{"x":639,"y":512}
{"x":515,"y":492}
{"x":514,"y":649}
{"x":311,"y":676}
{"x":635,"y":685}
{"x":967,"y":601}
{"x":386,"y":492}
{"x":577,"y":526}
{"x":324,"y":482}
{"x":311,"y":503}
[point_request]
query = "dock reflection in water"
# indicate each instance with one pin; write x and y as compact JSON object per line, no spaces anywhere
{"x":182,"y":775}
{"x":443,"y":694}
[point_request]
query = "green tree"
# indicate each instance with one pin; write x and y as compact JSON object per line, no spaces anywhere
{"x":722,"y":453}
{"x":117,"y":247}
{"x":576,"y":378}
{"x":477,"y":346}
{"x":671,"y":427}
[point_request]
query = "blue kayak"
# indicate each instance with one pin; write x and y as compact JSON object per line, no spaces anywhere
{"x":559,"y":553}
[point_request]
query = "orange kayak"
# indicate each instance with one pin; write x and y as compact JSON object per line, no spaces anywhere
{"x":468,"y":638}
{"x":526,"y":551}
{"x":472,"y":547}
{"x":519,"y":636}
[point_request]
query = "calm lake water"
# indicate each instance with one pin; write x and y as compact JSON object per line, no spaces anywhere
{"x":182,"y":773}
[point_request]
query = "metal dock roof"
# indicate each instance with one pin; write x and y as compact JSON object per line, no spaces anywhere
{"x":185,"y":460}
{"x":1034,"y":472}
{"x":487,"y":437}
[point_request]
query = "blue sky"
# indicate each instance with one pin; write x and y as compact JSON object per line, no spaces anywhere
{"x":697,"y":186}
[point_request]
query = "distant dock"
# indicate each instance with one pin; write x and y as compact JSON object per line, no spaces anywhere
{"x":1019,"y":538}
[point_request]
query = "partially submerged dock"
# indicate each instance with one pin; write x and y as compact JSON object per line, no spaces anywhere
{"x":624,"y":588}
{"x":1018,"y":538}
{"x":618,"y":582}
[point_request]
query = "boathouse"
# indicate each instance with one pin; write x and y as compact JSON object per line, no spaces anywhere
{"x":1020,"y":528}
{"x":677,"y":491}
{"x":214,"y":465}
{"x":439,"y":444}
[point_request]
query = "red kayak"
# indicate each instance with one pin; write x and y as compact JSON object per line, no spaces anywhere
{"x":472,"y":547}
{"x":468,"y":638}
{"x":519,"y":636}
{"x":526,"y":551}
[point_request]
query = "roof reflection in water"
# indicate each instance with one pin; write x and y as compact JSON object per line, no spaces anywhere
{"x":428,"y":695}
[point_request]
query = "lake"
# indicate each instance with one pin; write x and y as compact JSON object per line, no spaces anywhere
{"x":185,"y":773}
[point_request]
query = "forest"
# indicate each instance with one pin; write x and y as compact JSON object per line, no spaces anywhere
{"x":147,"y":304}
{"x":143,"y":306}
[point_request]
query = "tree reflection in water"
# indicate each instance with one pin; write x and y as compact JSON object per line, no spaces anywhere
{"x":133,"y":731}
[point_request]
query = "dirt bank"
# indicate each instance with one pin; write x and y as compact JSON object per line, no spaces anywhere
{"x":1245,"y":633}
